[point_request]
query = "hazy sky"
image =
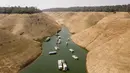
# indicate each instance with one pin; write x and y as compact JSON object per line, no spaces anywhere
{"x":42,"y":4}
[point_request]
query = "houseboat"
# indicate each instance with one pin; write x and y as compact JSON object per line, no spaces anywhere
{"x":60,"y":67}
{"x":52,"y":52}
{"x":75,"y":57}
{"x":71,"y":50}
{"x":56,"y":48}
{"x":47,"y":39}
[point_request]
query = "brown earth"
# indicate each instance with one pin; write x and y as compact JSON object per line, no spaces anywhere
{"x":31,"y":26}
{"x":106,"y":29}
{"x":106,"y":36}
{"x":61,"y":17}
{"x":16,"y":52}
{"x":108,"y":42}
{"x":17,"y":49}
{"x":78,"y":21}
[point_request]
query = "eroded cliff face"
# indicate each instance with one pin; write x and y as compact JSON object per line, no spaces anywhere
{"x":18,"y":33}
{"x":106,"y":36}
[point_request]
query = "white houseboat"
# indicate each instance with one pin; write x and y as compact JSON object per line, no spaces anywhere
{"x":75,"y":57}
{"x":47,"y":39}
{"x":52,"y":52}
{"x":56,"y":48}
{"x":60,"y":64}
{"x":71,"y":50}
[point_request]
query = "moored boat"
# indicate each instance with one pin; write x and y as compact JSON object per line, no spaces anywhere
{"x":66,"y":43}
{"x":71,"y":50}
{"x":75,"y":57}
{"x":47,"y":39}
{"x":59,"y":41}
{"x":56,"y":48}
{"x":60,"y":64}
{"x":65,"y":68}
{"x":52,"y":52}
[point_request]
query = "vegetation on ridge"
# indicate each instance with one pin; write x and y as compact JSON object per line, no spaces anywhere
{"x":19,"y":10}
{"x":120,"y":8}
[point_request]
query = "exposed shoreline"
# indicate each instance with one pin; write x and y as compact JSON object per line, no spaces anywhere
{"x":22,"y":36}
{"x":30,"y":61}
{"x":105,"y":35}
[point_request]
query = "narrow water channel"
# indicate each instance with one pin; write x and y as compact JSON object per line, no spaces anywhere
{"x":48,"y":63}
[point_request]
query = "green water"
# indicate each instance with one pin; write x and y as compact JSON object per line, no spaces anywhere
{"x":48,"y":63}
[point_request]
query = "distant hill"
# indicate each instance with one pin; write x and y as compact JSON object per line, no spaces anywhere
{"x":120,"y":8}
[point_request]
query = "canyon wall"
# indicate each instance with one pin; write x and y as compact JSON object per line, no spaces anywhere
{"x":19,"y":35}
{"x":105,"y":35}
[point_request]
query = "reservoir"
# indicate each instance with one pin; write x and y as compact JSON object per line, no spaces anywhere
{"x":48,"y":63}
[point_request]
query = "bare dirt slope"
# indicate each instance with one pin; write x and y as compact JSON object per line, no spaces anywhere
{"x":31,"y":26}
{"x":105,"y":35}
{"x":112,"y":57}
{"x":17,"y":48}
{"x":3,"y":16}
{"x":84,"y":20}
{"x":78,"y":21}
{"x":61,"y":17}
{"x":16,"y":52}
{"x":108,"y":42}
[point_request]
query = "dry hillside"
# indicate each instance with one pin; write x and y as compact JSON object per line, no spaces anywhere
{"x":105,"y":35}
{"x":31,"y":26}
{"x":61,"y":17}
{"x":78,"y":21}
{"x":17,"y":49}
{"x":108,"y":42}
{"x":16,"y":52}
